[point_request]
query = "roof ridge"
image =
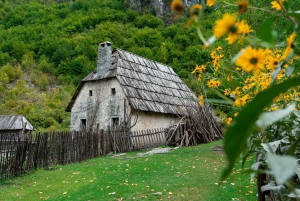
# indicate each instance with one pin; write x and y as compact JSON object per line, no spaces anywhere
{"x":148,"y":60}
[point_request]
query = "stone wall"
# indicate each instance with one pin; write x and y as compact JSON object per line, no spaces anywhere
{"x":97,"y":95}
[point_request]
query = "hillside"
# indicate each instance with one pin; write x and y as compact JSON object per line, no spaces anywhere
{"x":47,"y":47}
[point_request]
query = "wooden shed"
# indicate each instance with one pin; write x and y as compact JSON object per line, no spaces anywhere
{"x":15,"y":127}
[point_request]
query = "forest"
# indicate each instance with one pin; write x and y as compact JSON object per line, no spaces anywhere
{"x":47,"y":47}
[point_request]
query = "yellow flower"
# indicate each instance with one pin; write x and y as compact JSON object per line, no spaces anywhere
{"x":239,"y":102}
{"x":229,"y":78}
{"x":198,"y":69}
{"x":210,"y":3}
{"x":242,"y":6}
{"x":276,"y":5}
{"x":219,"y":48}
{"x":228,"y":121}
{"x":224,"y":25}
{"x":227,"y":92}
{"x":272,"y":63}
{"x":273,"y":108}
{"x":199,"y":77}
{"x":236,"y":114}
{"x":195,"y":9}
{"x":251,"y":60}
{"x":213,"y":83}
{"x":213,"y":54}
{"x":177,"y":6}
{"x":289,"y":48}
{"x":232,"y":37}
{"x":201,"y":101}
{"x":243,"y":28}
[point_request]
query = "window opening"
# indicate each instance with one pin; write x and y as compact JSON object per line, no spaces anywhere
{"x":91,"y":92}
{"x":83,"y":124}
{"x":115,"y":121}
{"x":113,"y":91}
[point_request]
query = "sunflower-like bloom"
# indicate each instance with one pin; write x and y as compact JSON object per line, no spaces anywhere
{"x":241,"y":29}
{"x":228,"y":121}
{"x":177,"y":6}
{"x":289,"y":48}
{"x":227,"y":92}
{"x":224,"y":25}
{"x":276,"y":5}
{"x":219,"y":48}
{"x":242,"y":6}
{"x":251,"y":60}
{"x":213,"y":83}
{"x":210,"y":3}
{"x":199,"y":69}
{"x":194,"y":10}
{"x":272,"y":62}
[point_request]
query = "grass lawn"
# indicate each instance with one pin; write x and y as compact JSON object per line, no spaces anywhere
{"x":189,"y":173}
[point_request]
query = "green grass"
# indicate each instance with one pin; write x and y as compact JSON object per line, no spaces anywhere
{"x":189,"y":173}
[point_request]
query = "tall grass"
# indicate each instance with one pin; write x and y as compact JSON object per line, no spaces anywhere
{"x":189,"y":173}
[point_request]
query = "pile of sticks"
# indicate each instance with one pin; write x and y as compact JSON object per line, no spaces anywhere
{"x":197,"y":128}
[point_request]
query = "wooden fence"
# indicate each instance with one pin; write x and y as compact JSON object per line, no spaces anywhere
{"x":46,"y":149}
{"x":137,"y":140}
{"x":59,"y":148}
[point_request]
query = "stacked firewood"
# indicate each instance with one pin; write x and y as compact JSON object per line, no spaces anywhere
{"x":199,"y":127}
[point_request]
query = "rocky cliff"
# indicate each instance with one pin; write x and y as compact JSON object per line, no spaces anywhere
{"x":159,"y":7}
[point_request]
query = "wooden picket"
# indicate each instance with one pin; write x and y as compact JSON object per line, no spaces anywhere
{"x":48,"y":149}
{"x":44,"y":150}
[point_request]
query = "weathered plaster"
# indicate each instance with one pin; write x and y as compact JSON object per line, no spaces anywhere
{"x":151,"y":120}
{"x":102,"y":100}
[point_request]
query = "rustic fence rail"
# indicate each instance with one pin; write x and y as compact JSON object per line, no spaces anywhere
{"x":46,"y":149}
{"x":43,"y":150}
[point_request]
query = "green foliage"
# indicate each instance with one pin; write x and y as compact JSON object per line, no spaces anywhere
{"x":43,"y":82}
{"x":9,"y":71}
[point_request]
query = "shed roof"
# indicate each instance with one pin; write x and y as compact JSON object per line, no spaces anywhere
{"x":14,"y":122}
{"x":148,"y":85}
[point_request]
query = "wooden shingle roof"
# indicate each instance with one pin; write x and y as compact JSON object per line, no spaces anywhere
{"x":14,"y":122}
{"x":148,"y":85}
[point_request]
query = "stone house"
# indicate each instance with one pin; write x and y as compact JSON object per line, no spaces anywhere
{"x":14,"y":127}
{"x":129,"y":88}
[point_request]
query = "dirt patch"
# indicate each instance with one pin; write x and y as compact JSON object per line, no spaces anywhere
{"x":218,"y":149}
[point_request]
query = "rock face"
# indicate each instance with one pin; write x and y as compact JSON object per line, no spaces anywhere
{"x":159,"y":6}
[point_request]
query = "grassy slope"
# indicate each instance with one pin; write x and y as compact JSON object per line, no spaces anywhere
{"x":190,"y":173}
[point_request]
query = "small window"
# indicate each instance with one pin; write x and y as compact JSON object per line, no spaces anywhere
{"x":113,"y":91}
{"x":91,"y":93}
{"x":83,"y":124}
{"x":115,"y":121}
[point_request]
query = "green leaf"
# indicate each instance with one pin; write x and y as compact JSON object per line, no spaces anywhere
{"x":266,"y":32}
{"x":282,"y":167}
{"x":292,"y":149}
{"x":295,"y":14}
{"x":286,"y":5}
{"x":237,"y":134}
{"x":268,"y":118}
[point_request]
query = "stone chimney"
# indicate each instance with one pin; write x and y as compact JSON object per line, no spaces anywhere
{"x":104,"y":58}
